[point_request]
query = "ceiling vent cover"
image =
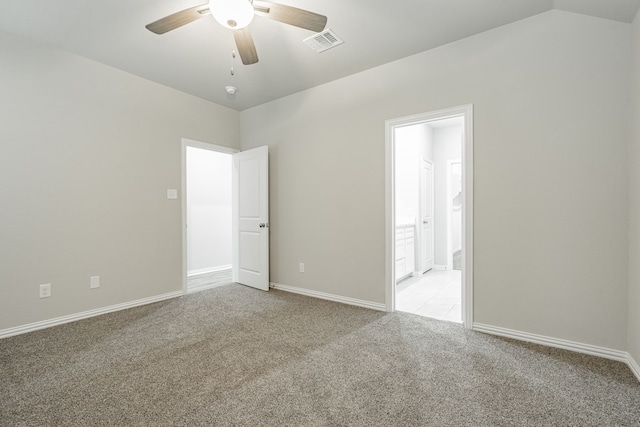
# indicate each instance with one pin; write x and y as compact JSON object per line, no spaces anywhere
{"x":323,"y":41}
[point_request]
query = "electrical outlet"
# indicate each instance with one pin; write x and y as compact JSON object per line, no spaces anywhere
{"x":302,"y":267}
{"x":94,"y":282}
{"x":45,"y":290}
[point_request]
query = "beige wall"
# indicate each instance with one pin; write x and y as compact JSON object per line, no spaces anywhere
{"x":550,"y":97}
{"x":634,"y":202}
{"x":87,"y":153}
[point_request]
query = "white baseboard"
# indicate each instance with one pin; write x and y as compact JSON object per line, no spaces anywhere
{"x":330,"y":297}
{"x":593,"y":350}
{"x":552,"y":342}
{"x":208,"y":270}
{"x":17,"y":330}
{"x":404,"y":276}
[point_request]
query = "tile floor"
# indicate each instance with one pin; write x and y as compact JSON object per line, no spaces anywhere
{"x":201,"y":282}
{"x":435,"y":294}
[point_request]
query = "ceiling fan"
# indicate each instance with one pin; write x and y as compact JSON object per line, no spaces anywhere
{"x":237,"y":15}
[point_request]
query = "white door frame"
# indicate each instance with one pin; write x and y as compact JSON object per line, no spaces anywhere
{"x":466,"y":112}
{"x":205,"y":146}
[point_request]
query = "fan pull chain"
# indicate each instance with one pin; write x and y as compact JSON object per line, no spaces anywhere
{"x":231,"y":90}
{"x":233,"y":57}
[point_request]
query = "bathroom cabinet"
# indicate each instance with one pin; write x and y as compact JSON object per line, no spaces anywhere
{"x":405,"y":251}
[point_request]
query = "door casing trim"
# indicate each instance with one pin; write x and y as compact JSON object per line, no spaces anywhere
{"x":465,"y":111}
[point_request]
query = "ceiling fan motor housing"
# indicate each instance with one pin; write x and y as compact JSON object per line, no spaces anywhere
{"x":233,"y":14}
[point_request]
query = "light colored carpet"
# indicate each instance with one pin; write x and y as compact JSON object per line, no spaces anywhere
{"x":236,"y":356}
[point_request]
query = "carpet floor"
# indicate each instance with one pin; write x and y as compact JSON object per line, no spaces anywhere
{"x":234,"y":356}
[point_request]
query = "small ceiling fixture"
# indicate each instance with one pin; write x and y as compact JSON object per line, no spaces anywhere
{"x":232,"y":14}
{"x":231,"y":90}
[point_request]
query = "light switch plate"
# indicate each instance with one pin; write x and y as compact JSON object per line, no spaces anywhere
{"x":172,"y":194}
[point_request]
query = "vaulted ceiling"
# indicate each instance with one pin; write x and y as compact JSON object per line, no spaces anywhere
{"x":196,"y":58}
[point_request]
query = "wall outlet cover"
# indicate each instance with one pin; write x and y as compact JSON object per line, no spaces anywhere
{"x":45,"y":290}
{"x":94,"y":282}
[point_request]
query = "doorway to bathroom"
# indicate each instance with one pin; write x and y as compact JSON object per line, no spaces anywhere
{"x":429,"y":205}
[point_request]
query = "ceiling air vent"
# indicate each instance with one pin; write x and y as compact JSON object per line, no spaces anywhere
{"x":323,"y":41}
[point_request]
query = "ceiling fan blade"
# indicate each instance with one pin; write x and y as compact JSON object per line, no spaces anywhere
{"x":178,"y":19}
{"x":291,"y":15}
{"x":246,"y":48}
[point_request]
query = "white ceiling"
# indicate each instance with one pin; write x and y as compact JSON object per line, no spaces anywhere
{"x":197,"y":57}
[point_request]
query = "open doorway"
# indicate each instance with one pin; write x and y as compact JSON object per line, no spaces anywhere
{"x":427,"y":164}
{"x":207,"y":205}
{"x":429,"y":212}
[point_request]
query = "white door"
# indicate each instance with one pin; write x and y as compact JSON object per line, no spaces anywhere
{"x":426,"y":212}
{"x":250,"y":225}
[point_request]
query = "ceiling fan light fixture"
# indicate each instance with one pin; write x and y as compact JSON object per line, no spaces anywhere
{"x":232,"y":14}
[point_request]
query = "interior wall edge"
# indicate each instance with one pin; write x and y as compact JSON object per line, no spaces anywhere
{"x":635,"y":367}
{"x":633,"y":297}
